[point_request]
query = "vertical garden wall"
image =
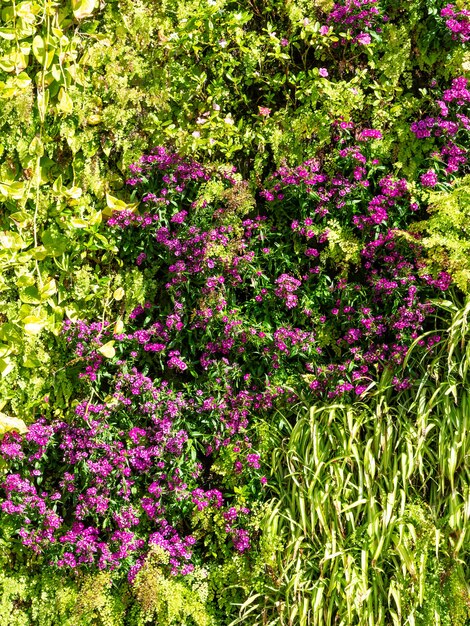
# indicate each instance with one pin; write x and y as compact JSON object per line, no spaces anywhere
{"x":234,"y":319}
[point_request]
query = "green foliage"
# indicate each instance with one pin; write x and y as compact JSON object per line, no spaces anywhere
{"x":47,"y":599}
{"x":86,"y":87}
{"x":29,"y":598}
{"x":170,"y":602}
{"x":446,"y":234}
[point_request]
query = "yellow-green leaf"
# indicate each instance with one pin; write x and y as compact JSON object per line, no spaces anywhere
{"x":83,"y":8}
{"x":21,"y":217}
{"x":11,"y":241}
{"x":48,"y":289}
{"x":77,"y":222}
{"x":107,"y":350}
{"x":44,"y":51}
{"x":6,"y":366}
{"x":65,"y":102}
{"x":7,"y":33}
{"x":114,"y":204}
{"x":8,"y":423}
{"x":33,"y":324}
{"x":13,"y":190}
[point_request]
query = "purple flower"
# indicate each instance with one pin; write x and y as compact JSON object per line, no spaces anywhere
{"x":429,"y":179}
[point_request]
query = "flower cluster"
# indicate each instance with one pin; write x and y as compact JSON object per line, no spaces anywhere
{"x":458,"y":22}
{"x":119,"y":478}
{"x":450,"y":128}
{"x":286,"y":288}
{"x":359,"y":17}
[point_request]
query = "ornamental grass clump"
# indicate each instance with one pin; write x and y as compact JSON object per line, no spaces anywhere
{"x":372,"y":501}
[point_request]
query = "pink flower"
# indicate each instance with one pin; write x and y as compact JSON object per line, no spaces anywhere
{"x":364,"y":39}
{"x":323,"y":72}
{"x":429,"y":179}
{"x":264,"y":111}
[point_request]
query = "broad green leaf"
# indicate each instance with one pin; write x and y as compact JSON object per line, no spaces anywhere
{"x":11,"y":241}
{"x":36,"y":147}
{"x":39,"y":253}
{"x":83,"y":8}
{"x":55,"y":244}
{"x":6,"y":366}
{"x":7,"y":33}
{"x":114,"y":204}
{"x":48,"y":289}
{"x":77,"y":222}
{"x":13,"y":190}
{"x":119,"y":293}
{"x":65,"y":102}
{"x":25,"y":280}
{"x":107,"y":350}
{"x":22,"y":81}
{"x":30,"y":295}
{"x":74,"y":192}
{"x":57,"y":186}
{"x":8,"y":423}
{"x":43,"y":51}
{"x":20,"y":217}
{"x":34,"y":324}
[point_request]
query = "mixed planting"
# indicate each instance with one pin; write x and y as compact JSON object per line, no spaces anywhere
{"x":234,"y":325}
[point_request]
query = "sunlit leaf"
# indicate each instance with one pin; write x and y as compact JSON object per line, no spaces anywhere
{"x":107,"y":349}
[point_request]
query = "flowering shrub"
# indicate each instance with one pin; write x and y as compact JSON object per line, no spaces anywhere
{"x":358,"y":17}
{"x":309,"y":291}
{"x":211,"y":308}
{"x":457,"y":21}
{"x":449,"y":127}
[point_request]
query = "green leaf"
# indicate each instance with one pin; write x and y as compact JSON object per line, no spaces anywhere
{"x":13,"y":190}
{"x":36,"y":147}
{"x":83,"y":8}
{"x":77,"y":222}
{"x":11,"y":241}
{"x":6,"y":366}
{"x":7,"y":33}
{"x":33,"y":324}
{"x":107,"y":350}
{"x":30,"y":295}
{"x":55,"y":244}
{"x":115,"y":204}
{"x":65,"y":102}
{"x":48,"y":289}
{"x":8,"y":423}
{"x":43,"y":51}
{"x":20,"y":217}
{"x":119,"y":293}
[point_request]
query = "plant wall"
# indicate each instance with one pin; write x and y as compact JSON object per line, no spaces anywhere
{"x":213,"y":215}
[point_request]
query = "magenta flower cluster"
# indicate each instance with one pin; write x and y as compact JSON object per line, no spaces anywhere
{"x":449,"y":127}
{"x":359,"y":17}
{"x":457,"y":21}
{"x":117,"y":478}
